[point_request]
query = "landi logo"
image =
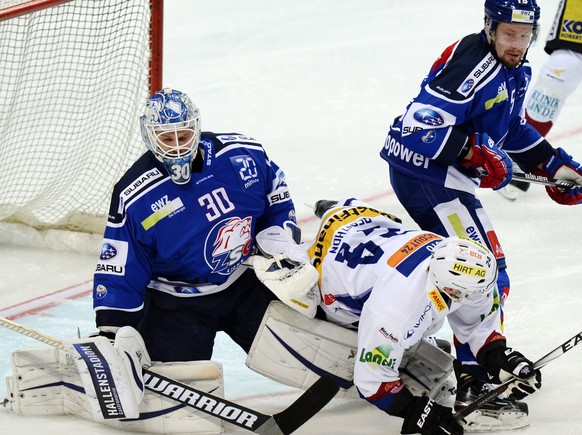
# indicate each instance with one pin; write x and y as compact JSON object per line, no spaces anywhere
{"x":378,"y":356}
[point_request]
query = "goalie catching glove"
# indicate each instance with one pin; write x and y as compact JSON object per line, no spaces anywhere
{"x":284,"y":268}
{"x":112,"y":373}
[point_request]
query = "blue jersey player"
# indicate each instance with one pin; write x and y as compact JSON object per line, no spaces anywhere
{"x":182,"y":222}
{"x":463,"y":130}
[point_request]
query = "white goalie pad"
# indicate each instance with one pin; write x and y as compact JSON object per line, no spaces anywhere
{"x":45,"y":381}
{"x":294,"y":284}
{"x":296,"y":351}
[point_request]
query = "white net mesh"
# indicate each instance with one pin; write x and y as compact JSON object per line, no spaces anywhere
{"x":73,"y":82}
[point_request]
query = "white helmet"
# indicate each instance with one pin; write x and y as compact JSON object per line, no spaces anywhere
{"x":170,"y":128}
{"x":462,"y":267}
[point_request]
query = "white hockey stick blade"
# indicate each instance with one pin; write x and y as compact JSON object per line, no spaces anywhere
{"x":282,"y":423}
{"x":550,"y":356}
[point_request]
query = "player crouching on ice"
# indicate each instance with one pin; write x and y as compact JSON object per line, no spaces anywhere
{"x":395,"y":286}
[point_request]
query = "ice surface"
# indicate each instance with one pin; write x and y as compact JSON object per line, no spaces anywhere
{"x":318,"y":82}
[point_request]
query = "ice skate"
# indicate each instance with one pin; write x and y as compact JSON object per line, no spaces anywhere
{"x":498,"y":415}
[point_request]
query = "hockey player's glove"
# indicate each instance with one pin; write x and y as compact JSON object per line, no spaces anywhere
{"x":488,"y":156}
{"x":428,"y":417}
{"x":504,"y":363}
{"x":561,"y":165}
{"x":422,"y":415}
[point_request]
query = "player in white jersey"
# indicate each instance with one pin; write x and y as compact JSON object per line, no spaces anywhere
{"x":397,"y":286}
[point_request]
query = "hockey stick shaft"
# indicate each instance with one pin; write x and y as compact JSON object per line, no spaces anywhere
{"x":550,"y":356}
{"x":538,"y":179}
{"x":282,"y":423}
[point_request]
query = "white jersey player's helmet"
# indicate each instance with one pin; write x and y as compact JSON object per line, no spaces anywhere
{"x":170,"y":127}
{"x":461,"y":268}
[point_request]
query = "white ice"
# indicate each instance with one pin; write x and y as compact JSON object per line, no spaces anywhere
{"x":318,"y":83}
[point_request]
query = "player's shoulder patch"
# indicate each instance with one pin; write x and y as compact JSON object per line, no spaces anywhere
{"x":223,"y":142}
{"x":143,"y":174}
{"x":468,"y":65}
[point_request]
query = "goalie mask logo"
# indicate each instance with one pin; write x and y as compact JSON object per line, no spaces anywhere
{"x":228,"y":244}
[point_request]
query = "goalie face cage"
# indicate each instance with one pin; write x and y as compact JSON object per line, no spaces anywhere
{"x":74,"y":78}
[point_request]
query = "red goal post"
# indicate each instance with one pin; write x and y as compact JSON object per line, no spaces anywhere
{"x":75,"y":76}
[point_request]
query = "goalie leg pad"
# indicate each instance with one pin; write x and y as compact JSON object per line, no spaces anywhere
{"x":294,"y":350}
{"x":112,"y":373}
{"x":45,"y":381}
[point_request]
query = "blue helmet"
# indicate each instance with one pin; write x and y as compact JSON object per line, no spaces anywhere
{"x":511,"y":11}
{"x":170,"y":128}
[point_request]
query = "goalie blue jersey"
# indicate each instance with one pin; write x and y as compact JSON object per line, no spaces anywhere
{"x":467,"y":90}
{"x":191,"y":239}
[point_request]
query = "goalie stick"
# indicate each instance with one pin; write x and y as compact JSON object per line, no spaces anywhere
{"x":550,"y":356}
{"x":281,"y":423}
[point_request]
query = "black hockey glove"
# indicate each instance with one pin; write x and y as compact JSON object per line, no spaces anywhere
{"x":427,"y":417}
{"x":503,"y":362}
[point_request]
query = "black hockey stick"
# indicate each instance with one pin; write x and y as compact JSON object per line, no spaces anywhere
{"x":550,"y":356}
{"x":539,"y":179}
{"x":281,"y":423}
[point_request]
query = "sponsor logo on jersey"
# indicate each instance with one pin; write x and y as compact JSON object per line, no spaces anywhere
{"x":429,"y":136}
{"x":224,"y":138}
{"x":429,"y":117}
{"x":228,"y":244}
{"x":379,"y":356}
{"x":495,"y":245}
{"x":396,"y":149}
{"x":437,"y":299}
{"x":162,"y":208}
{"x":419,"y":322}
{"x":476,"y":75}
{"x":501,"y":96}
{"x":100,"y":291}
{"x":246,"y":168}
{"x":113,"y":257}
{"x":412,"y":253}
{"x":571,"y":30}
{"x":467,"y":86}
{"x":388,"y":335}
{"x":142,"y":180}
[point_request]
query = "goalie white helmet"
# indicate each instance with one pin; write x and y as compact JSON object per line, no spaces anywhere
{"x":462,"y":268}
{"x":170,"y":128}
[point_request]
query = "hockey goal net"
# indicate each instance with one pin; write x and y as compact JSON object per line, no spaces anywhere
{"x":74,"y":78}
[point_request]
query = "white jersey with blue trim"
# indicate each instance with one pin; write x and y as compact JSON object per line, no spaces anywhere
{"x":375,"y":271}
{"x":468,"y":90}
{"x":191,"y":239}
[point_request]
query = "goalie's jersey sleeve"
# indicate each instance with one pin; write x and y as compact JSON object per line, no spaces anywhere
{"x":375,"y":271}
{"x":467,"y":90}
{"x":187,"y":240}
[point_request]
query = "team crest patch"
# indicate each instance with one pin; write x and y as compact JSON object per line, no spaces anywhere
{"x":228,"y":244}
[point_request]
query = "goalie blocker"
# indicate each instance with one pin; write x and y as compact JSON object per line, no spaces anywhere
{"x":294,"y":350}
